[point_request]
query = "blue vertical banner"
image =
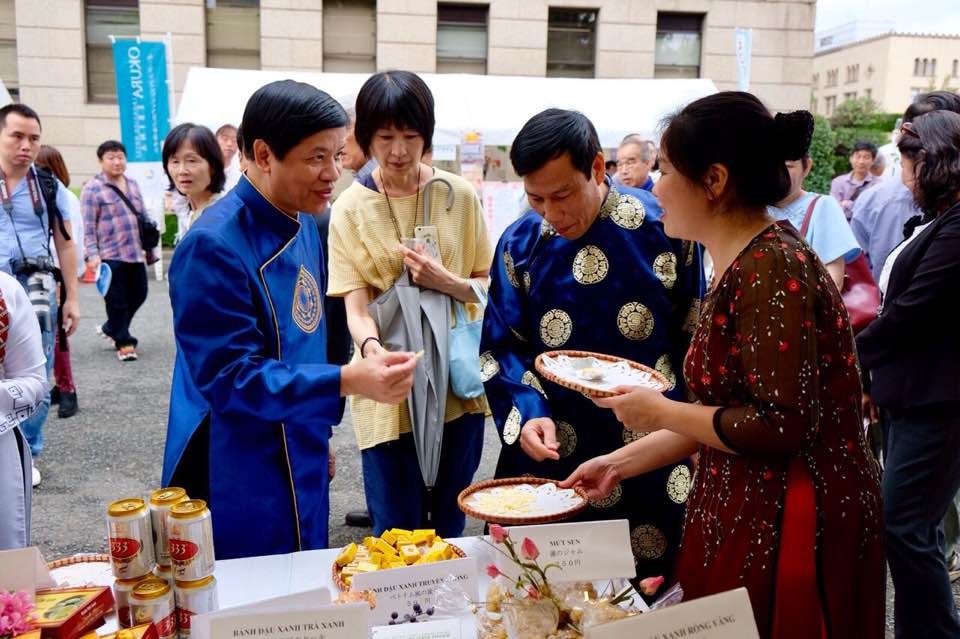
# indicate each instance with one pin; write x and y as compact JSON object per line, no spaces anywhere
{"x":744,"y":49}
{"x":143,"y":97}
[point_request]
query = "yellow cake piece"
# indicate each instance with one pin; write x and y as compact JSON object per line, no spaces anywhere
{"x":396,"y":563}
{"x":367,"y":566}
{"x":384,"y":548}
{"x":347,"y":555}
{"x":369,"y":541}
{"x":401,"y":532}
{"x":409,"y":553}
{"x":390,"y":537}
{"x":426,"y":534}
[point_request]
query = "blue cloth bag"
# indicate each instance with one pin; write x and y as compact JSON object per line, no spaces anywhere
{"x":465,"y":379}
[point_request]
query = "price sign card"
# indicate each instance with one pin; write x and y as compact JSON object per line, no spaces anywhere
{"x":727,"y":615}
{"x":24,"y":569}
{"x":585,"y":551}
{"x":438,"y":629}
{"x":347,"y":621}
{"x":399,"y":588}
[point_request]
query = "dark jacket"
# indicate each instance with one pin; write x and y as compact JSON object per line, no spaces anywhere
{"x":912,"y":351}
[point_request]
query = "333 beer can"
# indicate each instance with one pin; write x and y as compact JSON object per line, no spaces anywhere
{"x":160,"y":503}
{"x":194,"y":598}
{"x":131,"y":538}
{"x":191,"y":540}
{"x":152,"y":601}
{"x":121,"y":595}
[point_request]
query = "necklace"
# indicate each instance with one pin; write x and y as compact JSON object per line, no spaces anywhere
{"x":393,"y":217}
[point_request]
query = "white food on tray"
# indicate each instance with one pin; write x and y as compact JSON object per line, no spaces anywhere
{"x":524,"y":500}
{"x":597,"y":374}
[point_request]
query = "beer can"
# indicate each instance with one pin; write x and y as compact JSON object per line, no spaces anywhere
{"x":121,"y":595}
{"x":160,"y":502}
{"x":131,"y":538}
{"x":194,"y":598}
{"x":165,"y":573}
{"x":191,"y":540}
{"x":152,"y":601}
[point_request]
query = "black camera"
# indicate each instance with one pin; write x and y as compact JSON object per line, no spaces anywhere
{"x":40,"y":285}
{"x":31,"y":265}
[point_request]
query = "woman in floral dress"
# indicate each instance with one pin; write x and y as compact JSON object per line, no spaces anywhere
{"x":786,"y":496}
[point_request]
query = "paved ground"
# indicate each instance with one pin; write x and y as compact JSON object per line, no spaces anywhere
{"x":113,"y":447}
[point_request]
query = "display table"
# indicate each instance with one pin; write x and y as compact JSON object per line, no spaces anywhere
{"x":252,"y":579}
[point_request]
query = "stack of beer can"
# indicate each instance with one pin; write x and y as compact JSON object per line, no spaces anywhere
{"x":162,"y":556}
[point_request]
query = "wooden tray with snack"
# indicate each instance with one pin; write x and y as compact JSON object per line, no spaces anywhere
{"x":519,"y":501}
{"x":395,"y":548}
{"x":596,"y":374}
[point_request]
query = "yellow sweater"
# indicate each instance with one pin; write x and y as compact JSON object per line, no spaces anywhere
{"x":364,"y":253}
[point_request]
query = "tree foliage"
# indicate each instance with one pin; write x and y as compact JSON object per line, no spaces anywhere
{"x":821,"y":152}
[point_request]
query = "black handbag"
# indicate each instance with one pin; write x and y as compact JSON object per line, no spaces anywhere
{"x":149,"y":233}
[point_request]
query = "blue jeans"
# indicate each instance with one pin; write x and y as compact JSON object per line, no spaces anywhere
{"x":33,"y":426}
{"x":396,"y":496}
{"x":921,"y":477}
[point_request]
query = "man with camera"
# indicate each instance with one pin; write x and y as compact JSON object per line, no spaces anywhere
{"x":35,"y":207}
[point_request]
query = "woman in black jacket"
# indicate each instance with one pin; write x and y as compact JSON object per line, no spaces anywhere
{"x":912,"y":354}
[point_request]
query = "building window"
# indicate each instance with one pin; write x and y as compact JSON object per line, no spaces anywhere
{"x":853,"y":73}
{"x":852,"y":95}
{"x":677,"y":51}
{"x":571,"y":43}
{"x":917,"y":69}
{"x":933,"y":67}
{"x":816,"y":80}
{"x":102,"y":19}
{"x":461,"y":38}
{"x":832,"y":77}
{"x":830,"y":104}
{"x":350,"y":36}
{"x":233,"y":34}
{"x":868,"y":93}
{"x":956,"y":68}
{"x":8,"y":50}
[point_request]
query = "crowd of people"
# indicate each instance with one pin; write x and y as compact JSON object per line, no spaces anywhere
{"x":704,"y":259}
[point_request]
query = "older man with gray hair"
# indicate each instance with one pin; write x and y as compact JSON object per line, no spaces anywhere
{"x":635,"y":159}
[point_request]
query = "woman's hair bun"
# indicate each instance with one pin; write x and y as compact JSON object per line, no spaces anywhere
{"x":793,"y":133}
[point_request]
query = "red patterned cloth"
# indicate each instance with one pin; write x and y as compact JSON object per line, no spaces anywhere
{"x":774,"y":347}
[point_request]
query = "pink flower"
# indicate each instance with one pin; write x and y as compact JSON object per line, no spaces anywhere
{"x":528,"y":549}
{"x":651,"y":585}
{"x":493,"y":572}
{"x":14,"y":610}
{"x":499,"y":533}
{"x":533,"y":592}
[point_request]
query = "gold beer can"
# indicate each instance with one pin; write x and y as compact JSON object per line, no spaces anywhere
{"x":190,"y":531}
{"x":194,"y":598}
{"x":152,"y":601}
{"x":131,"y":538}
{"x":161,"y":501}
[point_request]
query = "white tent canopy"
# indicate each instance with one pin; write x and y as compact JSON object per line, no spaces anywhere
{"x":496,"y":106}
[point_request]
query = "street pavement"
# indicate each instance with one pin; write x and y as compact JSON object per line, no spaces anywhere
{"x":114,"y":446}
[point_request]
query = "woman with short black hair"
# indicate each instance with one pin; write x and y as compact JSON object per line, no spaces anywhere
{"x":193,"y":162}
{"x":914,"y":364}
{"x":378,"y":231}
{"x":786,"y":499}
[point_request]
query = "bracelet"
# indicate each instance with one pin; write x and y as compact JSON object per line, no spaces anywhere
{"x":366,"y":341}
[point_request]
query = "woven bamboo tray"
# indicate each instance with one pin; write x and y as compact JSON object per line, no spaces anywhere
{"x":518,"y":521}
{"x":593,"y":392}
{"x":82,"y":570}
{"x":342,"y":585}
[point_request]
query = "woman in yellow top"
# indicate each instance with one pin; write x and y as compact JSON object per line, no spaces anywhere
{"x":395,"y":122}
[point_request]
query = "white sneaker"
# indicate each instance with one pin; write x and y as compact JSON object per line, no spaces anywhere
{"x":36,"y":477}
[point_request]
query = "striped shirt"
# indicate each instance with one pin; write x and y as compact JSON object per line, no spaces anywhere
{"x":111,"y":230}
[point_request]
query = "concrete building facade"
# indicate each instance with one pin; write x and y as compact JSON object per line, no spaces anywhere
{"x":54,"y":53}
{"x":890,"y":68}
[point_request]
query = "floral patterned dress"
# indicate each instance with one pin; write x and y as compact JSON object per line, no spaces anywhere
{"x":795,"y":516}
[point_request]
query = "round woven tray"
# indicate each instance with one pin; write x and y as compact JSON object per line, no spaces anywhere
{"x":517,"y":521}
{"x":592,"y":392}
{"x":82,"y":570}
{"x":342,"y":585}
